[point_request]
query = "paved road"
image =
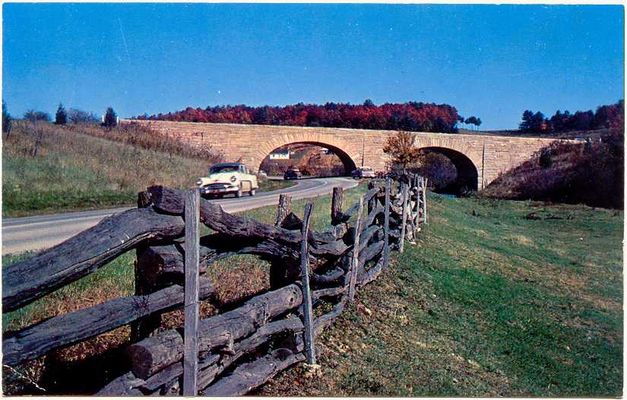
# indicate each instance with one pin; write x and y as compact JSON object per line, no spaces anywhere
{"x":40,"y":232}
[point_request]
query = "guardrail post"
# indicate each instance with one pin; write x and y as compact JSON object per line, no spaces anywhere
{"x":386,"y":224}
{"x":310,"y":349}
{"x":192,"y":243}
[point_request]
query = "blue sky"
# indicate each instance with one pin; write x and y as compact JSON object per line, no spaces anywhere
{"x":490,"y":61}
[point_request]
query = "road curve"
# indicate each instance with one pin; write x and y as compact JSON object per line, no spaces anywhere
{"x":44,"y":231}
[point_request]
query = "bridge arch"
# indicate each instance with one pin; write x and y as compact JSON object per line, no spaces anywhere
{"x":347,"y":161}
{"x":346,"y":151}
{"x":467,"y":171}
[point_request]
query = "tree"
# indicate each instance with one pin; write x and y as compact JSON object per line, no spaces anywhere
{"x":110,"y":118}
{"x":473,"y":120}
{"x":35,"y":116}
{"x":60,"y":117}
{"x":526,"y":122}
{"x":533,"y":122}
{"x":77,"y":116}
{"x":6,"y":119}
{"x":538,"y":122}
{"x":368,"y":103}
{"x":401,"y":148}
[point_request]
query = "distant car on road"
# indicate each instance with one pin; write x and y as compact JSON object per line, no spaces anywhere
{"x":363,"y":172}
{"x":228,"y":178}
{"x":292,"y":173}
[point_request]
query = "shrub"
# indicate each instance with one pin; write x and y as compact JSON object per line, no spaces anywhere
{"x":35,"y":116}
{"x":545,"y":158}
{"x":77,"y":116}
{"x":591,"y":174}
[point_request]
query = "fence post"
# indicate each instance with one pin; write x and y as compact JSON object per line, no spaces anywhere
{"x":424,"y":199}
{"x":416,"y":211}
{"x":404,"y":198}
{"x":336,"y":205}
{"x":192,"y":238}
{"x":143,"y":327}
{"x":283,"y":208}
{"x":355,"y":260}
{"x":372,"y":202}
{"x":386,"y":224}
{"x":310,"y":350}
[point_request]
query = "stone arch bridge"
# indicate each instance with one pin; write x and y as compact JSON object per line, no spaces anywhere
{"x":478,"y":158}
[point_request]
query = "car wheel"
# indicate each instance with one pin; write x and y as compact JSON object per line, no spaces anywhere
{"x":238,"y":193}
{"x":252,"y":192}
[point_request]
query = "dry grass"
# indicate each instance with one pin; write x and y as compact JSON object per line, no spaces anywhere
{"x":142,"y":136}
{"x":47,"y":168}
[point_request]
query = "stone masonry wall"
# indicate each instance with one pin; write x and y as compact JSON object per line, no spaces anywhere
{"x":491,"y":155}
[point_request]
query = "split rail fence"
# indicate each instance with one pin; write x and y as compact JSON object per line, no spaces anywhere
{"x":314,"y":275}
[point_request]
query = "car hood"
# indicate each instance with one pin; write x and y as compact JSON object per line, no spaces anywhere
{"x":224,"y":177}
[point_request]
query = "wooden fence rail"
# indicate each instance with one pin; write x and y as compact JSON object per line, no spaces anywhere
{"x":314,"y":275}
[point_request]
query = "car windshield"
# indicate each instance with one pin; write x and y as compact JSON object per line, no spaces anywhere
{"x":223,"y":168}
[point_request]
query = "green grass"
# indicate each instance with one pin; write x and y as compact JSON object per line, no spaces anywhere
{"x":486,"y":303}
{"x":111,"y":281}
{"x":267,"y":185}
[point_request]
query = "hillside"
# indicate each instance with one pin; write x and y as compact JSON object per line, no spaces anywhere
{"x":590,"y":173}
{"x":50,"y":168}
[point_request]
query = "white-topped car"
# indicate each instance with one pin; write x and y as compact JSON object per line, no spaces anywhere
{"x":363,"y":172}
{"x":228,"y":178}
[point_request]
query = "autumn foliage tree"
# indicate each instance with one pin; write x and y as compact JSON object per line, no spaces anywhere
{"x":401,"y":149}
{"x":411,"y":116}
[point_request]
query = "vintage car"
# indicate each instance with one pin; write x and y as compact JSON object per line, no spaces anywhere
{"x":228,"y":178}
{"x":363,"y":172}
{"x":292,"y":173}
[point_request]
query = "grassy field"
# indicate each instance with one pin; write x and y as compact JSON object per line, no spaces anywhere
{"x":486,"y":303}
{"x":47,"y":168}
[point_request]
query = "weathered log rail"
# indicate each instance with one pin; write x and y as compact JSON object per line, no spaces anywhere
{"x":238,"y":348}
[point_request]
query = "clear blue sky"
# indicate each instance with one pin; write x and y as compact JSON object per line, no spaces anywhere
{"x":490,"y":61}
